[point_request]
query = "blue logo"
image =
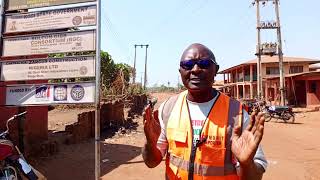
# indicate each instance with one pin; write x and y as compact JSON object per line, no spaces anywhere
{"x":60,"y":93}
{"x":43,"y":92}
{"x":77,"y":92}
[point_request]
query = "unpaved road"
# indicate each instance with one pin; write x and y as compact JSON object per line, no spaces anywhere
{"x":291,"y":149}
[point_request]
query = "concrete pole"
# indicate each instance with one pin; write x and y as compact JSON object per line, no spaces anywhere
{"x":134,"y":64}
{"x":237,"y":91}
{"x":243,"y":74}
{"x":282,"y":80}
{"x":237,"y":77}
{"x":145,"y":68}
{"x":1,"y":23}
{"x":259,"y":74}
{"x":228,"y":78}
{"x":251,"y":91}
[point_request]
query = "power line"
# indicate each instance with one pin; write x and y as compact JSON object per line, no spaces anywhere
{"x":115,"y":35}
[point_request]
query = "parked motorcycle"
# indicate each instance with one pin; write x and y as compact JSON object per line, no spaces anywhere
{"x":284,"y":113}
{"x":13,"y":165}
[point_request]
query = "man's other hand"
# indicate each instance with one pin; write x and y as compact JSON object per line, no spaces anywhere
{"x":151,"y":124}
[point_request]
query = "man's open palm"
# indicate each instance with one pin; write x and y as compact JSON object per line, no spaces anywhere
{"x":245,"y":144}
{"x":151,"y":123}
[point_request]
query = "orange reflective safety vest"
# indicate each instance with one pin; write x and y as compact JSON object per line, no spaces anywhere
{"x":211,"y":157}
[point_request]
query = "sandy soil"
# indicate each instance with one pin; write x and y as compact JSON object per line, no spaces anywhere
{"x":291,"y":149}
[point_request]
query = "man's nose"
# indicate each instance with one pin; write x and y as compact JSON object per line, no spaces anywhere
{"x":196,"y":69}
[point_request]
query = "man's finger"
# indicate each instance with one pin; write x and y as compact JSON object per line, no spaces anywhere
{"x":252,"y":120}
{"x":257,"y":122}
{"x":258,"y":134}
{"x":236,"y":133}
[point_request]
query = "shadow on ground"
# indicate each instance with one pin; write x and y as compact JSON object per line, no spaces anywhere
{"x":74,"y":162}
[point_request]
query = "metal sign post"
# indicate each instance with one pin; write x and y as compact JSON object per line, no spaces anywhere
{"x":1,"y":22}
{"x":97,"y":112}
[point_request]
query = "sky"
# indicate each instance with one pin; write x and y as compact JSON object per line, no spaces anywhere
{"x":228,"y":28}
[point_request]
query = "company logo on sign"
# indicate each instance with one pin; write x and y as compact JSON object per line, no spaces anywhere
{"x":77,"y":20}
{"x":43,"y":92}
{"x":60,"y":93}
{"x":77,"y":92}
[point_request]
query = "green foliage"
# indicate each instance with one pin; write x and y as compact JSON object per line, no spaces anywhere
{"x":115,"y":77}
{"x":162,"y":88}
{"x":108,"y":69}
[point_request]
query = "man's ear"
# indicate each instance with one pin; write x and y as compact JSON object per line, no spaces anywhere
{"x":217,"y":68}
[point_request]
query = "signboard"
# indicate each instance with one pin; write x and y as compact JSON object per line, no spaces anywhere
{"x":54,"y":68}
{"x":26,"y":4}
{"x":74,"y":93}
{"x":52,"y":19}
{"x":50,"y":43}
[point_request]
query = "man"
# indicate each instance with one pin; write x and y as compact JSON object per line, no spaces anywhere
{"x":203,"y":133}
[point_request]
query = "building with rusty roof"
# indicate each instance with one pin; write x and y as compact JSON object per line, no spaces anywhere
{"x":302,"y":80}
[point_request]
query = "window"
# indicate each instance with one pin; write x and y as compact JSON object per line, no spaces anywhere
{"x":272,"y":70}
{"x":295,"y":69}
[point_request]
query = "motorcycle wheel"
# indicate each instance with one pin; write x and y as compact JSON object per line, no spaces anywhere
{"x":11,"y":173}
{"x":267,"y":117}
{"x":287,"y":116}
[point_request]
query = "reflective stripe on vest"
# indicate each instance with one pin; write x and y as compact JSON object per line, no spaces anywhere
{"x":203,"y":170}
{"x":213,"y":158}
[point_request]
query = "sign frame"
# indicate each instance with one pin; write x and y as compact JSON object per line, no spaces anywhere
{"x":24,"y":5}
{"x":42,"y":95}
{"x":53,"y":12}
{"x":48,"y":64}
{"x":94,"y":35}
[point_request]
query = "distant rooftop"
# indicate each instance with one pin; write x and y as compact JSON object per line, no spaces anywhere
{"x":274,"y":59}
{"x":315,"y":66}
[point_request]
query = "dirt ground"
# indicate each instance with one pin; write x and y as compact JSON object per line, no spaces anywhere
{"x":292,"y":151}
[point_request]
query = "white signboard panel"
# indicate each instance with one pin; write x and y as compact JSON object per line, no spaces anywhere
{"x":52,"y":19}
{"x":50,"y":94}
{"x":49,"y":43}
{"x":26,"y":4}
{"x":54,"y":68}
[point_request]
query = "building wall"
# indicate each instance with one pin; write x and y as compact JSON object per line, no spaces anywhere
{"x":286,"y":67}
{"x":313,"y":98}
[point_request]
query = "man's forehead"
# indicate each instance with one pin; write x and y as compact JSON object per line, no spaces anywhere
{"x":196,"y":52}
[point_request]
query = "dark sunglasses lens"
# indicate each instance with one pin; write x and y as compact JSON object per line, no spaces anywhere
{"x":204,"y":64}
{"x":188,"y":65}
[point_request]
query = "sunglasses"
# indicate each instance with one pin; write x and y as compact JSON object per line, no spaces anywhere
{"x":202,"y":63}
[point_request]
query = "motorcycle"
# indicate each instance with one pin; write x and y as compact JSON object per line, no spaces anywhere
{"x":13,"y":165}
{"x":284,"y":113}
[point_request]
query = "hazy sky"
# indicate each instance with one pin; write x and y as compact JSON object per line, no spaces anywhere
{"x":227,"y":27}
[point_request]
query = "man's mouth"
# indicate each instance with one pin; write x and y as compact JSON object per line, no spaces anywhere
{"x":195,"y":80}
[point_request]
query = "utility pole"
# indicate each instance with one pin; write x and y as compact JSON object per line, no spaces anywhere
{"x":2,"y":4}
{"x":145,"y":63}
{"x":282,"y":78}
{"x":259,"y":73}
{"x":134,"y":64}
{"x":269,"y":49}
{"x":145,"y":68}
